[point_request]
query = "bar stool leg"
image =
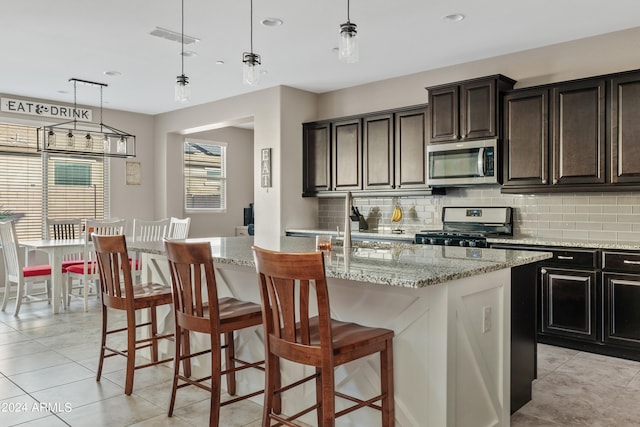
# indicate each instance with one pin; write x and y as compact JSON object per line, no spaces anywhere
{"x":230,"y":355}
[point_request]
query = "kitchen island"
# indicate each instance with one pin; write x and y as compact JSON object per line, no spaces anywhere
{"x":450,"y":308}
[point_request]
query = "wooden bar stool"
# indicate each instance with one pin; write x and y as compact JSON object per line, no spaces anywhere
{"x":286,"y":281}
{"x":119,"y":293}
{"x":206,"y":314}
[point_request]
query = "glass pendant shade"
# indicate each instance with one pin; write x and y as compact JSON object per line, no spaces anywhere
{"x":183,"y":89}
{"x":348,"y":43}
{"x":71,"y":140}
{"x":251,"y":69}
{"x":51,"y":139}
{"x":121,"y":147}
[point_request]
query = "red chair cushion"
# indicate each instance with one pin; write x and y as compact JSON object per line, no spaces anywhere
{"x":66,"y":264}
{"x":37,"y":270}
{"x":79,"y":268}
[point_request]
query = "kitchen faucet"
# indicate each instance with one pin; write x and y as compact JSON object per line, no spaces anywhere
{"x":347,"y":220}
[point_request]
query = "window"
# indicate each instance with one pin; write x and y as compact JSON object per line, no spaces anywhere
{"x":72,"y":187}
{"x":205,"y":176}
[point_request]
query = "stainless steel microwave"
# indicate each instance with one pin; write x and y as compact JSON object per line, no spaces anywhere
{"x":463,"y":163}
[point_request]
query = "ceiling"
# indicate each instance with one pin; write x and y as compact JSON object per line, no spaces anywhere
{"x":44,"y":43}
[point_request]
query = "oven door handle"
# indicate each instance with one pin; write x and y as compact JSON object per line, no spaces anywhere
{"x":481,"y":170}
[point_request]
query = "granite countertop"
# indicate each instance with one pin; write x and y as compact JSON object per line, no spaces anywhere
{"x":515,"y":240}
{"x":393,"y":264}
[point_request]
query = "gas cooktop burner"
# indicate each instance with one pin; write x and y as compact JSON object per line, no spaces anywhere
{"x":452,"y":239}
{"x":464,"y":226}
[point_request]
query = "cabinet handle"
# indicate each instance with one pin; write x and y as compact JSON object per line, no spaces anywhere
{"x":628,"y":261}
{"x":565,"y":257}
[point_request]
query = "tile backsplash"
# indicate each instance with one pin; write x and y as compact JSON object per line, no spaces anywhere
{"x":594,"y":216}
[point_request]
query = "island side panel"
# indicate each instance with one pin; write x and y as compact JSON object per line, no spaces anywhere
{"x":479,"y":348}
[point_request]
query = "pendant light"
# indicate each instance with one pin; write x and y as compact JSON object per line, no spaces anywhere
{"x":348,"y":43}
{"x":115,"y":142}
{"x":251,"y":67}
{"x":183,"y":90}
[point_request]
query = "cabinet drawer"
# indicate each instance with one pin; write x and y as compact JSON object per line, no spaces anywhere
{"x":622,"y":261}
{"x":574,"y":258}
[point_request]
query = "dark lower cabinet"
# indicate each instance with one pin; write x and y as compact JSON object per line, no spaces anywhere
{"x":622,"y":313}
{"x":587,"y":299}
{"x":569,"y":303}
{"x":621,"y":285}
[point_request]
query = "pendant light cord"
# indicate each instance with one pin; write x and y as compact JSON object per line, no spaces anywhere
{"x":75,"y":104}
{"x":348,"y":20}
{"x":251,"y":25}
{"x":182,"y":38}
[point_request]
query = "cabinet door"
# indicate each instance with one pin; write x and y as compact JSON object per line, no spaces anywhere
{"x":526,"y":139}
{"x":478,"y":109}
{"x":316,"y":158}
{"x":347,"y":155}
{"x":569,"y":303}
{"x":625,"y":129}
{"x":378,"y":152}
{"x":578,"y":122}
{"x":411,"y":145}
{"x":621,"y":302}
{"x":443,"y":103}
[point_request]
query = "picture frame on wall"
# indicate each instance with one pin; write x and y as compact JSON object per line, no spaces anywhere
{"x":133,"y":173}
{"x":265,"y":168}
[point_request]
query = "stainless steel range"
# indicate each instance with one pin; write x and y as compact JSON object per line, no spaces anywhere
{"x":469,"y":226}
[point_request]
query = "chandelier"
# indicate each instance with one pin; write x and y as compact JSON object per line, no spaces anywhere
{"x":86,"y":138}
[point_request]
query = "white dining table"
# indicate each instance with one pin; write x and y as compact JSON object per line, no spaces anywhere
{"x":56,"y":249}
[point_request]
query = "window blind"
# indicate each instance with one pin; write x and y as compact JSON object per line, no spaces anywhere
{"x":205,"y":178}
{"x":70,"y":188}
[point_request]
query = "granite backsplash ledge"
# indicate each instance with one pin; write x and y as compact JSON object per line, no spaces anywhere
{"x":593,"y":216}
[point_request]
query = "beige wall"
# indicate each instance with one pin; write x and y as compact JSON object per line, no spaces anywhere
{"x":591,"y":56}
{"x":239,"y":182}
{"x":127,"y":201}
{"x":277,"y":114}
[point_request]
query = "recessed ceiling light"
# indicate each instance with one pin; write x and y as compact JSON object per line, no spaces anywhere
{"x":454,"y":17}
{"x":188,"y":53}
{"x":271,"y":22}
{"x":112,"y":73}
{"x":219,"y":62}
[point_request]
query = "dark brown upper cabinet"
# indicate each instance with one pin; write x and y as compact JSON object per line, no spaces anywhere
{"x":526,"y":138}
{"x":316,"y":158}
{"x":411,"y":148}
{"x":578,"y":132}
{"x":381,"y":153}
{"x":346,"y":147}
{"x":395,"y":150}
{"x":625,"y":129}
{"x":379,"y":156}
{"x":594,"y":136}
{"x":467,"y":110}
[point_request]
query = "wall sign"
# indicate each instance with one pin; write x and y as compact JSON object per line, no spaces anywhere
{"x":265,"y":167}
{"x":133,"y":173}
{"x":58,"y":111}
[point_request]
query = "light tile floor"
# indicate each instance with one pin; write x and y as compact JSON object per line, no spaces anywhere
{"x":48,"y":365}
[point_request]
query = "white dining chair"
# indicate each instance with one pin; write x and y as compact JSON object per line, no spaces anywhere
{"x":179,"y":228}
{"x":87,"y":272}
{"x":146,"y":231}
{"x":16,"y":271}
{"x":63,"y":229}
